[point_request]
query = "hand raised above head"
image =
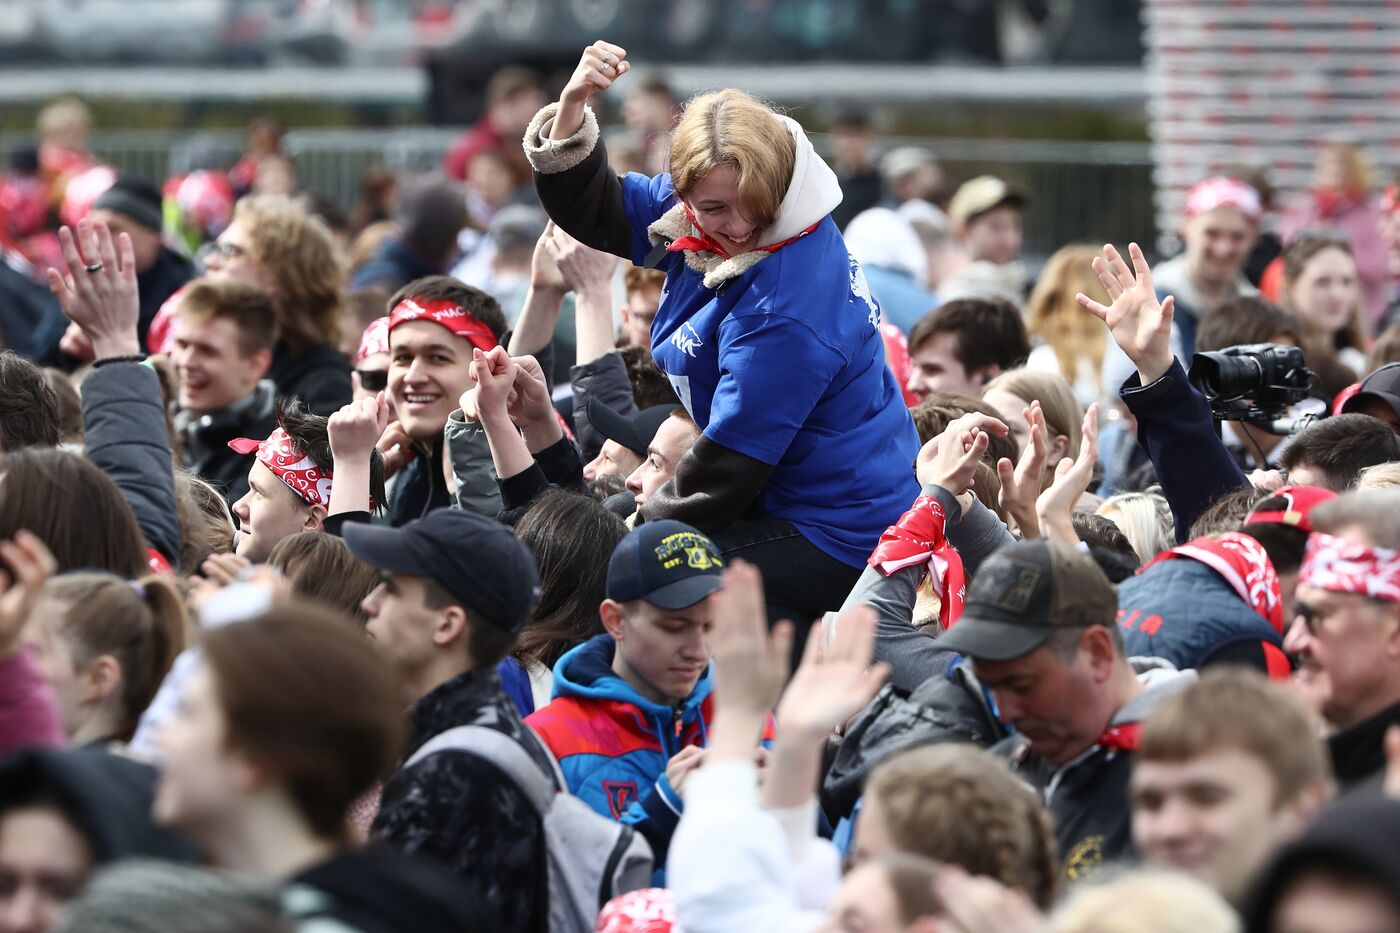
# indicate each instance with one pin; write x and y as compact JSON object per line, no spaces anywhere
{"x":97,"y":287}
{"x":1140,"y":324}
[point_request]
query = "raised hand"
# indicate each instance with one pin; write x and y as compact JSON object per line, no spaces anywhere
{"x":979,"y":904}
{"x":584,"y":268}
{"x":1055,"y":507}
{"x":834,"y":684}
{"x":601,"y":64}
{"x":396,"y":447}
{"x":751,"y":663}
{"x":357,"y":428}
{"x":544,"y":271}
{"x":494,"y":372}
{"x":1139,"y":323}
{"x":28,"y":566}
{"x":1021,"y":484}
{"x":97,"y":288}
{"x":950,"y":459}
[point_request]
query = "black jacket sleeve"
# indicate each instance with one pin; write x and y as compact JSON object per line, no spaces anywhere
{"x":712,"y":488}
{"x":577,"y":187}
{"x":1176,"y":429}
{"x":126,"y":436}
{"x":606,"y":380}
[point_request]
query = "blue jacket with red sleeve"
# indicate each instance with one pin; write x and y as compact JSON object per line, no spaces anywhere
{"x":613,"y":744}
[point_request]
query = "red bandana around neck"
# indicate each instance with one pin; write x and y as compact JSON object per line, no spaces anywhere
{"x":704,"y":243}
{"x":1124,"y":738}
{"x":918,"y":538}
{"x":1244,"y":564}
{"x":444,"y":313}
{"x":291,"y":466}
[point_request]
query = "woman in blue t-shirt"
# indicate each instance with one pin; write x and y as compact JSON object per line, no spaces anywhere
{"x":767,"y":330}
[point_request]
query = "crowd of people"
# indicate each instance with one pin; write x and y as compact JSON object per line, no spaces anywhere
{"x":668,"y":528}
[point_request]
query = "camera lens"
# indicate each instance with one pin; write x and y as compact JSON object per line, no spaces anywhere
{"x":1223,"y":377}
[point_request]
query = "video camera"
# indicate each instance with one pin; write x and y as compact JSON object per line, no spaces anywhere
{"x":1256,"y":383}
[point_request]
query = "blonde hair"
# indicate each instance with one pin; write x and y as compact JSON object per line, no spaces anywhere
{"x":1145,"y":902}
{"x":956,"y":804}
{"x":731,"y":128}
{"x":297,"y":248}
{"x":1063,"y":416}
{"x":1053,"y":314}
{"x":1357,"y":169}
{"x":1145,"y":519}
{"x":1380,"y":476}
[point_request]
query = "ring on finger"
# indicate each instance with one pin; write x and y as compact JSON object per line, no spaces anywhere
{"x":95,"y":267}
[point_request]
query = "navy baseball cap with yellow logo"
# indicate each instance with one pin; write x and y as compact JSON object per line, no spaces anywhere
{"x":667,"y":563}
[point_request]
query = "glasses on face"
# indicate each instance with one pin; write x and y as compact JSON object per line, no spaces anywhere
{"x":373,"y":380}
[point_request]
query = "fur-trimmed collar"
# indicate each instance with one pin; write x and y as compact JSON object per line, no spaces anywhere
{"x":717,"y":270}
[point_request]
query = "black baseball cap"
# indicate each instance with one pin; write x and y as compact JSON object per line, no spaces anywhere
{"x":1382,"y":385}
{"x":635,"y":432}
{"x":477,"y":560}
{"x":667,"y":563}
{"x":1023,"y":593}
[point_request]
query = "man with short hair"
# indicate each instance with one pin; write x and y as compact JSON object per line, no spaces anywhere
{"x":675,"y":436}
{"x":28,"y":405}
{"x":457,"y":590}
{"x":1220,"y":228}
{"x":1226,"y":774}
{"x":1346,"y":636}
{"x":223,"y":336}
{"x":964,"y":345}
{"x":1038,"y":627}
{"x":628,"y":439}
{"x":632,"y":705}
{"x":1331,"y":453}
{"x":289,"y":484}
{"x":513,"y":96}
{"x":986,"y":214}
{"x":435,"y":324}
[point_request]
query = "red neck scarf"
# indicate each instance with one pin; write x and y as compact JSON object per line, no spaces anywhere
{"x":1244,"y":564}
{"x":1124,"y":738}
{"x":704,"y":243}
{"x":918,"y":538}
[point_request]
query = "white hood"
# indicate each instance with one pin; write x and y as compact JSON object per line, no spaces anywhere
{"x":813,"y":193}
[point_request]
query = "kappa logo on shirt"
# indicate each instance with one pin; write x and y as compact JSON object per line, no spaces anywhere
{"x":861,"y":289}
{"x":687,"y":340}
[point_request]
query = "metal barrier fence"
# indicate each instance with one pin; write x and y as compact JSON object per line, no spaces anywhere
{"x":1078,"y":191}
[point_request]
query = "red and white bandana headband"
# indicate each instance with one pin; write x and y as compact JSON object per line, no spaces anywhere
{"x":1244,"y":564}
{"x":374,"y":340}
{"x":1223,"y":192}
{"x":445,"y":313}
{"x":1342,"y":566}
{"x":1299,"y":501}
{"x":918,"y":538}
{"x":290,"y":465}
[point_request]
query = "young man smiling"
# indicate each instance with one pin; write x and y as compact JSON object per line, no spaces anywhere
{"x":632,"y":706}
{"x":434,"y":324}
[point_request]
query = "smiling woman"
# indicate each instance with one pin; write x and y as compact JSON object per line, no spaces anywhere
{"x":767,"y":331}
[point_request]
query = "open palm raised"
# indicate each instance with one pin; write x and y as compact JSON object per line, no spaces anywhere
{"x":1139,"y":323}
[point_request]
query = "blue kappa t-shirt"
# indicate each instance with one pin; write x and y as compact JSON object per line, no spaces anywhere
{"x":785,"y":364}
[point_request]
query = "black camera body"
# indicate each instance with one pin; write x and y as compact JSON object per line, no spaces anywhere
{"x":1255,"y":383}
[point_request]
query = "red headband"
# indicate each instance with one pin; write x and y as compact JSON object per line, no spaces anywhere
{"x":374,"y":340}
{"x":447,"y":314}
{"x":291,"y":466}
{"x":1343,"y":566}
{"x":1301,"y":500}
{"x":1223,"y":192}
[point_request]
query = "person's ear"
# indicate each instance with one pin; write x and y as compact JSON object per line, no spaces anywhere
{"x":1096,"y":644}
{"x":1392,"y":642}
{"x":259,"y":363}
{"x":610,"y":611}
{"x":101,"y":678}
{"x":452,"y":626}
{"x":1058,"y":450}
{"x":315,"y":519}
